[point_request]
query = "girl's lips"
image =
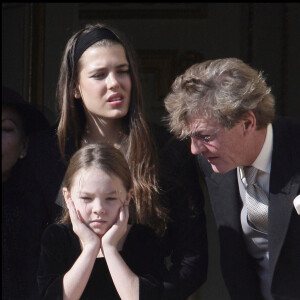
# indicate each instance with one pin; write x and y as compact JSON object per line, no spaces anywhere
{"x":115,"y":98}
{"x":97,"y":223}
{"x":115,"y":102}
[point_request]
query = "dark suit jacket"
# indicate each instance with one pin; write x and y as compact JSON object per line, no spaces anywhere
{"x":284,"y":222}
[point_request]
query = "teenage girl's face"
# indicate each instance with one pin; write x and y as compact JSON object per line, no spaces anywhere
{"x":13,"y":140}
{"x":104,"y":81}
{"x":98,"y":197}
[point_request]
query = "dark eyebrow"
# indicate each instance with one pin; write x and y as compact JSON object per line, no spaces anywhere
{"x":97,"y":70}
{"x":123,"y":65}
{"x":9,"y":119}
{"x":105,"y":68}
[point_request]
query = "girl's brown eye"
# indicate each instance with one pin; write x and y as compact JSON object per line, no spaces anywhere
{"x":99,"y":76}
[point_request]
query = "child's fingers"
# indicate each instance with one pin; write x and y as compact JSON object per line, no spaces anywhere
{"x":79,"y":216}
{"x":72,"y":211}
{"x":124,"y":214}
{"x":79,"y":226}
{"x":121,"y":214}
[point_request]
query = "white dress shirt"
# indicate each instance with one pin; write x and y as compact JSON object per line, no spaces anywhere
{"x":257,"y":241}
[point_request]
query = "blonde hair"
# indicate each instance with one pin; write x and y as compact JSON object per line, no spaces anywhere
{"x":222,"y":90}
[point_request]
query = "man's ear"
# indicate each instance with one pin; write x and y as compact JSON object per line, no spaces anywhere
{"x":249,"y":122}
{"x":128,"y":197}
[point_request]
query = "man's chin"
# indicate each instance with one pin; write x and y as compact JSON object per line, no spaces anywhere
{"x":219,"y":169}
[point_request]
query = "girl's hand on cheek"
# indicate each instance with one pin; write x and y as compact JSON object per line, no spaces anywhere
{"x":85,"y":234}
{"x":118,"y":230}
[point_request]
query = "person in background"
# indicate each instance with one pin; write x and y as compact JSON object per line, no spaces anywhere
{"x":24,"y":213}
{"x":93,"y":253}
{"x":250,"y":159}
{"x":100,"y":101}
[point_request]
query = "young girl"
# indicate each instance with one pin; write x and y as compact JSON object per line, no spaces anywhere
{"x":99,"y":255}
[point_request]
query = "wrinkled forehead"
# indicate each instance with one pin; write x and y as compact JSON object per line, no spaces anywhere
{"x":197,"y":122}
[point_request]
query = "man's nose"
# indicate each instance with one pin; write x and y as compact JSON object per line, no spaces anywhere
{"x":197,"y":146}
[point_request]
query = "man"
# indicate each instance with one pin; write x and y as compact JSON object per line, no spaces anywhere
{"x":227,"y":110}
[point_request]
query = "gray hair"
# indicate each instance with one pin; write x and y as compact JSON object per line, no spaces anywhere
{"x":222,"y":90}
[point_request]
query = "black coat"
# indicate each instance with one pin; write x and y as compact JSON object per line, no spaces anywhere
{"x":61,"y":248}
{"x":25,"y":215}
{"x":284,"y":222}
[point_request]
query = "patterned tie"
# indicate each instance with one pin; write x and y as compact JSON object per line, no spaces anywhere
{"x":256,"y":200}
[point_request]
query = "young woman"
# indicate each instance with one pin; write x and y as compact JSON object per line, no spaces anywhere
{"x":100,"y":100}
{"x":94,"y":253}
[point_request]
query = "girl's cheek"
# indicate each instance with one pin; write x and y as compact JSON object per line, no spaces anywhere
{"x":85,"y":210}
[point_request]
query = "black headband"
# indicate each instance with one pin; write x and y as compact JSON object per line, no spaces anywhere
{"x":91,"y":38}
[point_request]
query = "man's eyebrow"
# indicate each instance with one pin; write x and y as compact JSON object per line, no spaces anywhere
{"x":197,"y":131}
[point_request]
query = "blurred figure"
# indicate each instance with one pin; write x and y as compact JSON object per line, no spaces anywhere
{"x":24,"y":215}
{"x":19,"y":120}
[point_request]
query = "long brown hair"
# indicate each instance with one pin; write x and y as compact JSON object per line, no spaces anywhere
{"x":140,"y":150}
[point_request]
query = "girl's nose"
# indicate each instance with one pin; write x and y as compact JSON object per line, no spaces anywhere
{"x":99,"y":207}
{"x":112,"y":81}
